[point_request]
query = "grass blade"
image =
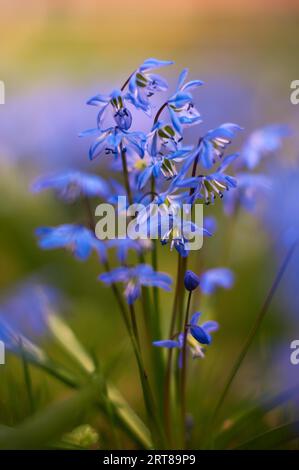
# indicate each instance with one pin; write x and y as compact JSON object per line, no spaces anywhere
{"x":274,"y":438}
{"x":39,"y":430}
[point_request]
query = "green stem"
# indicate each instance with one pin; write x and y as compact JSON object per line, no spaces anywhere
{"x":184,"y":369}
{"x":126,"y":174}
{"x":132,"y":334}
{"x":159,"y":112}
{"x":134,"y":324}
{"x":167,"y":381}
{"x":27,"y":378}
{"x":253,"y":331}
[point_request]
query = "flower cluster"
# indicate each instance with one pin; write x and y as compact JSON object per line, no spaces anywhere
{"x":155,"y":169}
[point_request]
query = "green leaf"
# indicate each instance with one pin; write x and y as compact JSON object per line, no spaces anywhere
{"x":39,"y":430}
{"x":67,"y":339}
{"x":274,"y":438}
{"x":253,"y":416}
{"x":127,"y":417}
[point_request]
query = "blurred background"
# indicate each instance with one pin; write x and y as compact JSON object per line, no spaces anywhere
{"x":55,"y":55}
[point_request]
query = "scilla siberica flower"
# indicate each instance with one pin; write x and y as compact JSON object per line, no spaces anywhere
{"x":212,"y":145}
{"x":208,"y":187}
{"x":165,"y":149}
{"x":136,"y":277}
{"x":214,"y":278}
{"x":245,"y":195}
{"x":143,"y":84}
{"x":71,"y":185}
{"x":115,"y":103}
{"x":197,"y":336}
{"x":169,"y":225}
{"x":108,"y":141}
{"x":78,"y":239}
{"x":181,"y":106}
{"x":124,"y":245}
{"x":262,"y":142}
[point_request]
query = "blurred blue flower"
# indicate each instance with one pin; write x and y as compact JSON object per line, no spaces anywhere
{"x":71,"y":185}
{"x":76,"y":238}
{"x":246,"y":193}
{"x":181,"y":106}
{"x":214,"y":278}
{"x":210,"y":224}
{"x":281,"y":218}
{"x":262,"y":142}
{"x":136,"y":277}
{"x":25,"y":307}
{"x":143,"y":84}
{"x":19,"y":344}
{"x":124,"y":245}
{"x":197,"y":335}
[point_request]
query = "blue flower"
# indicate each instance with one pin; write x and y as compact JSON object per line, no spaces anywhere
{"x":26,"y":307}
{"x":197,"y":335}
{"x":212,"y":146}
{"x":71,"y":185}
{"x":162,"y":165}
{"x":212,"y":279}
{"x":17,"y":343}
{"x":191,"y":280}
{"x":77,"y":238}
{"x":181,"y":107}
{"x":124,"y":245}
{"x":165,"y":149}
{"x":115,"y":102}
{"x":262,"y":142}
{"x":208,"y":187}
{"x":143,"y":84}
{"x":169,"y":224}
{"x":215,"y":142}
{"x":249,"y":186}
{"x":136,"y":277}
{"x":210,"y":224}
{"x":110,"y":139}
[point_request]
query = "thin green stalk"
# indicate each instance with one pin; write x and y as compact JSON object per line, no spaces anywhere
{"x":90,"y":214}
{"x":167,"y":380}
{"x":126,"y":174}
{"x":147,"y":393}
{"x":27,"y":378}
{"x":184,"y":369}
{"x":253,"y":331}
{"x":134,"y":324}
{"x":181,"y":294}
{"x":160,"y":112}
{"x":133,"y":335}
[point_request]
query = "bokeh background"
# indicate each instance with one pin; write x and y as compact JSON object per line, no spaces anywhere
{"x":56,"y":54}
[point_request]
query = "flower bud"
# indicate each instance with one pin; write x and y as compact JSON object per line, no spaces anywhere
{"x":191,"y":280}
